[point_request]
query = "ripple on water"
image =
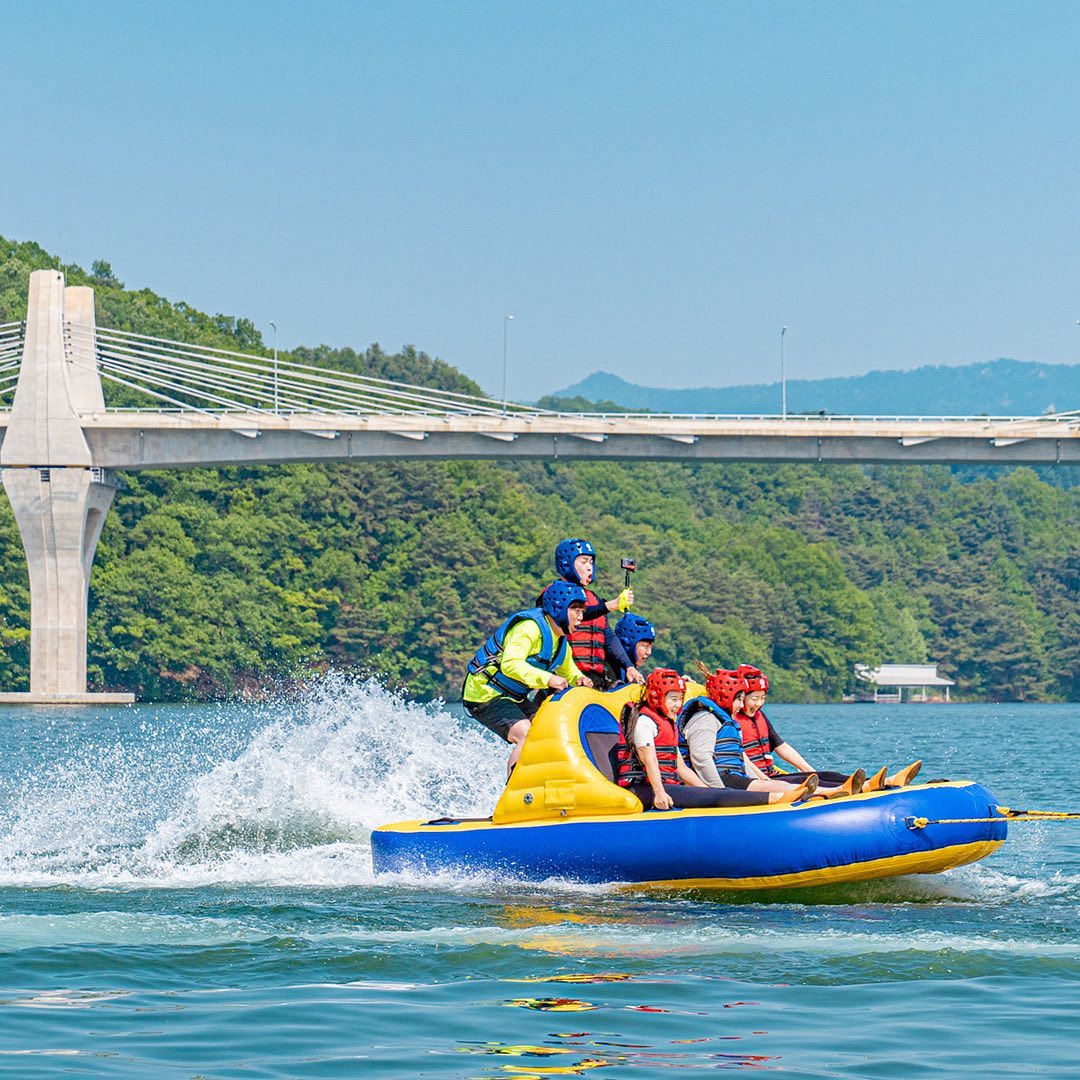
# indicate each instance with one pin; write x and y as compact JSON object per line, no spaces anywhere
{"x":178,"y":885}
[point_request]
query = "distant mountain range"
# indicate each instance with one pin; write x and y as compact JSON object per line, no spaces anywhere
{"x":999,"y":387}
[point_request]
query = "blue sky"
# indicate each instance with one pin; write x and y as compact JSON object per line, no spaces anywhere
{"x":651,"y":189}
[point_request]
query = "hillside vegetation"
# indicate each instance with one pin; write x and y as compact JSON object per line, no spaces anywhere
{"x":212,"y":580}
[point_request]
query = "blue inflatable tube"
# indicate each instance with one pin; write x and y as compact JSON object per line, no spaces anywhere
{"x":879,"y":834}
{"x":561,"y":816}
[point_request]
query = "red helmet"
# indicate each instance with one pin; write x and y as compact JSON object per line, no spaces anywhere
{"x":660,"y":683}
{"x":755,"y":678}
{"x":724,"y":686}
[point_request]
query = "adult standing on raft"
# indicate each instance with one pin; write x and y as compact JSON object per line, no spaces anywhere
{"x":525,"y":657}
{"x":593,"y":642}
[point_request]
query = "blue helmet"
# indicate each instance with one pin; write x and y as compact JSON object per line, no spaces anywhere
{"x":566,"y":552}
{"x":631,"y":629}
{"x":556,"y":601}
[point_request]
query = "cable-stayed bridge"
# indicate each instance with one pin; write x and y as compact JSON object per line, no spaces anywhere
{"x":197,"y":406}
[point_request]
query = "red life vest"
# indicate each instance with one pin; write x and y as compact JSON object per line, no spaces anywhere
{"x":755,"y":740}
{"x":587,"y":641}
{"x":666,"y":744}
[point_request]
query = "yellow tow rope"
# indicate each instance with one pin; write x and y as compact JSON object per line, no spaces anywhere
{"x":1005,"y":812}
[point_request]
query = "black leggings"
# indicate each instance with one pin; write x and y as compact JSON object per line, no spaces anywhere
{"x":826,"y":779}
{"x":686,"y":797}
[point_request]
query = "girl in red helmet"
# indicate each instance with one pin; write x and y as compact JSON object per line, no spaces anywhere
{"x":652,"y":767}
{"x":714,"y":742}
{"x":761,"y":741}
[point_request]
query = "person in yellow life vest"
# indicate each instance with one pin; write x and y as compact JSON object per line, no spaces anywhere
{"x":597,"y":651}
{"x":524,"y":659}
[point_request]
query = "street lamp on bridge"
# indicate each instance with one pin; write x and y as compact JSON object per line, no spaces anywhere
{"x":506,"y":348}
{"x":274,"y":327}
{"x":783,"y":381}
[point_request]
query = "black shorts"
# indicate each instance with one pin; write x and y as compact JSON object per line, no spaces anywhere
{"x":735,"y":780}
{"x":500,"y":714}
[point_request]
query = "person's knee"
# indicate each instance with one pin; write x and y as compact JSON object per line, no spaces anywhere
{"x":518,"y":731}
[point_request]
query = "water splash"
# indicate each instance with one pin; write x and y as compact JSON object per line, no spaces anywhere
{"x":355,"y":756}
{"x":295,"y":805}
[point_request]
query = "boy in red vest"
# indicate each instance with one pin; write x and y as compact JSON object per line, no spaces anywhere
{"x":597,"y":651}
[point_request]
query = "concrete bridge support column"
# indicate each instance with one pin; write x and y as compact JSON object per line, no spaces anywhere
{"x":60,"y":513}
{"x":58,"y":497}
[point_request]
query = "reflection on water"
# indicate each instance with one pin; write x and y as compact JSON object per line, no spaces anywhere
{"x":605,"y":1053}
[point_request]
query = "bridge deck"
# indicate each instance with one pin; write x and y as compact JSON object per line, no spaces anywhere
{"x":140,"y":439}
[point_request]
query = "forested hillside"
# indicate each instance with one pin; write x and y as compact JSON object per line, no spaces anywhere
{"x":211,"y":580}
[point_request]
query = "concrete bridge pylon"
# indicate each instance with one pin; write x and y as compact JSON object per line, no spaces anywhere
{"x":59,"y":499}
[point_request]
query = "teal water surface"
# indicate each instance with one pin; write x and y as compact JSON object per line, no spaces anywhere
{"x":187,"y":892}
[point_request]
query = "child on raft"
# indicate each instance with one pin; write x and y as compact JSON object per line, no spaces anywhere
{"x":637,"y":635}
{"x":761,"y":741}
{"x":593,"y":643}
{"x":651,"y":766}
{"x":713,"y":741}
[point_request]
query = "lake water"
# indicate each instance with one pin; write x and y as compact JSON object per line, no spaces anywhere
{"x":187,"y":892}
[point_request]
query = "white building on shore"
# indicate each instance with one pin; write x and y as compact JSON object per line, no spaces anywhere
{"x":889,"y":682}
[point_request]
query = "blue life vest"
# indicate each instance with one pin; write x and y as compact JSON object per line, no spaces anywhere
{"x":488,"y":658}
{"x":728,"y":751}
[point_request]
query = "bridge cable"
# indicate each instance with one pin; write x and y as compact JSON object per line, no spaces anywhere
{"x":420,"y":392}
{"x":358,"y":392}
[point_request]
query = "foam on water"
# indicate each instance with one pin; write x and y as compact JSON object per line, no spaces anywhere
{"x":120,"y":928}
{"x":295,"y":806}
{"x":666,"y":939}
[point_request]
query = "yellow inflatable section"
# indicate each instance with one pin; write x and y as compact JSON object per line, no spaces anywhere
{"x":554,"y":777}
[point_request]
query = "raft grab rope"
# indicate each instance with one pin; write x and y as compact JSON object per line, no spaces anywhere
{"x":1006,"y":812}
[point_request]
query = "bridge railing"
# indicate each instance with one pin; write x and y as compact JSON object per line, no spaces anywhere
{"x":816,"y":417}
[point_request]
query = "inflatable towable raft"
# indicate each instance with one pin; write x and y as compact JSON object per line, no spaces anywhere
{"x":561,"y":816}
